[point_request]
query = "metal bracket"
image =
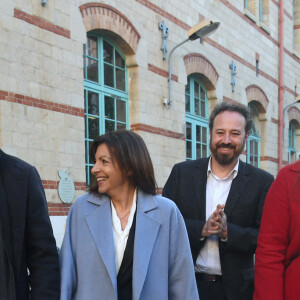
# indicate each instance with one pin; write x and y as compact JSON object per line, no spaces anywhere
{"x":232,"y":66}
{"x":165,"y":31}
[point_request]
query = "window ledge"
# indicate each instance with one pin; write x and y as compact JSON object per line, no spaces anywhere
{"x":249,"y":14}
{"x":265,"y":27}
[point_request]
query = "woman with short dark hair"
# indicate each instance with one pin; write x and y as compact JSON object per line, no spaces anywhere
{"x":122,"y":241}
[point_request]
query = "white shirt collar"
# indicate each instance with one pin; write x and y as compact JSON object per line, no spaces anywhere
{"x":232,"y":173}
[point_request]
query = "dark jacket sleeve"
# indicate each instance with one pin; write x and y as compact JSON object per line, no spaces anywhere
{"x":42,"y":256}
{"x":242,"y":236}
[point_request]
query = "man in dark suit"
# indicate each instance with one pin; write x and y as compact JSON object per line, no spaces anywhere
{"x":29,"y":266}
{"x":221,"y":199}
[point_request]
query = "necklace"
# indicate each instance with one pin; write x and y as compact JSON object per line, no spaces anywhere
{"x":124,"y":216}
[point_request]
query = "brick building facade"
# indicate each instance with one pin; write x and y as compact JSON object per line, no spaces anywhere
{"x":72,"y":69}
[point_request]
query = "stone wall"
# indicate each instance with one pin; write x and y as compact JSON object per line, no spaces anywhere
{"x":41,"y":76}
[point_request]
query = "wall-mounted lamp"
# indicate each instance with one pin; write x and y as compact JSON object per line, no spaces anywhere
{"x":200,"y":30}
{"x":44,"y":2}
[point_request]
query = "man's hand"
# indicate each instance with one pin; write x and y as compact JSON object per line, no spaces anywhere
{"x":222,"y":222}
{"x":216,"y":224}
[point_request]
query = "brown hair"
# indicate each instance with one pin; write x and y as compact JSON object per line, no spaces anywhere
{"x":239,"y":108}
{"x":132,"y":156}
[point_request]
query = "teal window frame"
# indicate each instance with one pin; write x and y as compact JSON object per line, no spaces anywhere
{"x":292,"y":151}
{"x":111,"y":104}
{"x":253,"y":142}
{"x":197,"y":138}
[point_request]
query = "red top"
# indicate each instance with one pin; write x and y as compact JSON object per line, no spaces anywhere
{"x":279,"y":239}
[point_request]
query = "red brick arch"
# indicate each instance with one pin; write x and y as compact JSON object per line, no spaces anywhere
{"x":255,"y":93}
{"x":99,"y":16}
{"x":294,"y":114}
{"x":197,"y":63}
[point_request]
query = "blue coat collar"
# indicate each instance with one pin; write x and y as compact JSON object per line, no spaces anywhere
{"x":147,"y":228}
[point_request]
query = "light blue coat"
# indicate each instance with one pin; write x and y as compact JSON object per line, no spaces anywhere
{"x":162,"y":264}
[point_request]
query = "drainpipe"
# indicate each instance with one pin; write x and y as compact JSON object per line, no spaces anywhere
{"x":281,"y":88}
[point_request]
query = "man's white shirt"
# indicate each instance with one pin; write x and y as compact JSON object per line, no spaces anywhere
{"x":217,"y":190}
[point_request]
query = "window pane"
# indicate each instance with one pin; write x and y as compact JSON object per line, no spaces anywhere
{"x":94,"y":129}
{"x":196,"y":89}
{"x":92,"y":48}
{"x":251,"y":160}
{"x":109,"y":126}
{"x":92,"y":69}
{"x":204,"y":135}
{"x":121,"y":111}
{"x":202,"y":94}
{"x":293,"y":156}
{"x":108,"y":75}
{"x":292,"y":135}
{"x":84,"y":67}
{"x":108,"y":52}
{"x":119,"y":60}
{"x":87,"y":174}
{"x":188,"y":149}
{"x":187,"y":103}
{"x":120,"y":78}
{"x":188,"y":131}
{"x":109,"y":108}
{"x":91,"y":160}
{"x":256,"y":148}
{"x":204,"y":151}
{"x":93,"y":103}
{"x":92,"y":177}
{"x":197,"y":107}
{"x":198,"y":150}
{"x":202,"y":109}
{"x":87,"y":157}
{"x":187,"y":87}
{"x":198,"y":133}
{"x":255,"y":116}
{"x":255,"y":162}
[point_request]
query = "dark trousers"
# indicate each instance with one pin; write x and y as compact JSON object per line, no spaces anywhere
{"x":210,"y":290}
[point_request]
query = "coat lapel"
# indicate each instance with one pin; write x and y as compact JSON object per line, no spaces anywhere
{"x":200,"y":179}
{"x":237,"y":186}
{"x":15,"y":202}
{"x":100,"y":225}
{"x":145,"y":236}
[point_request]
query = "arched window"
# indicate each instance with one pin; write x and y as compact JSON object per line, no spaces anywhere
{"x":253,"y":142}
{"x":196,"y":109}
{"x":292,"y":142}
{"x":105,"y":91}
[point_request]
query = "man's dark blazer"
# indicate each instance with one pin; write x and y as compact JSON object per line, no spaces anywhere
{"x":186,"y":186}
{"x":27,"y":231}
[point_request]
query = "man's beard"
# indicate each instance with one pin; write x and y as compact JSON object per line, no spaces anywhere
{"x":226,"y":158}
